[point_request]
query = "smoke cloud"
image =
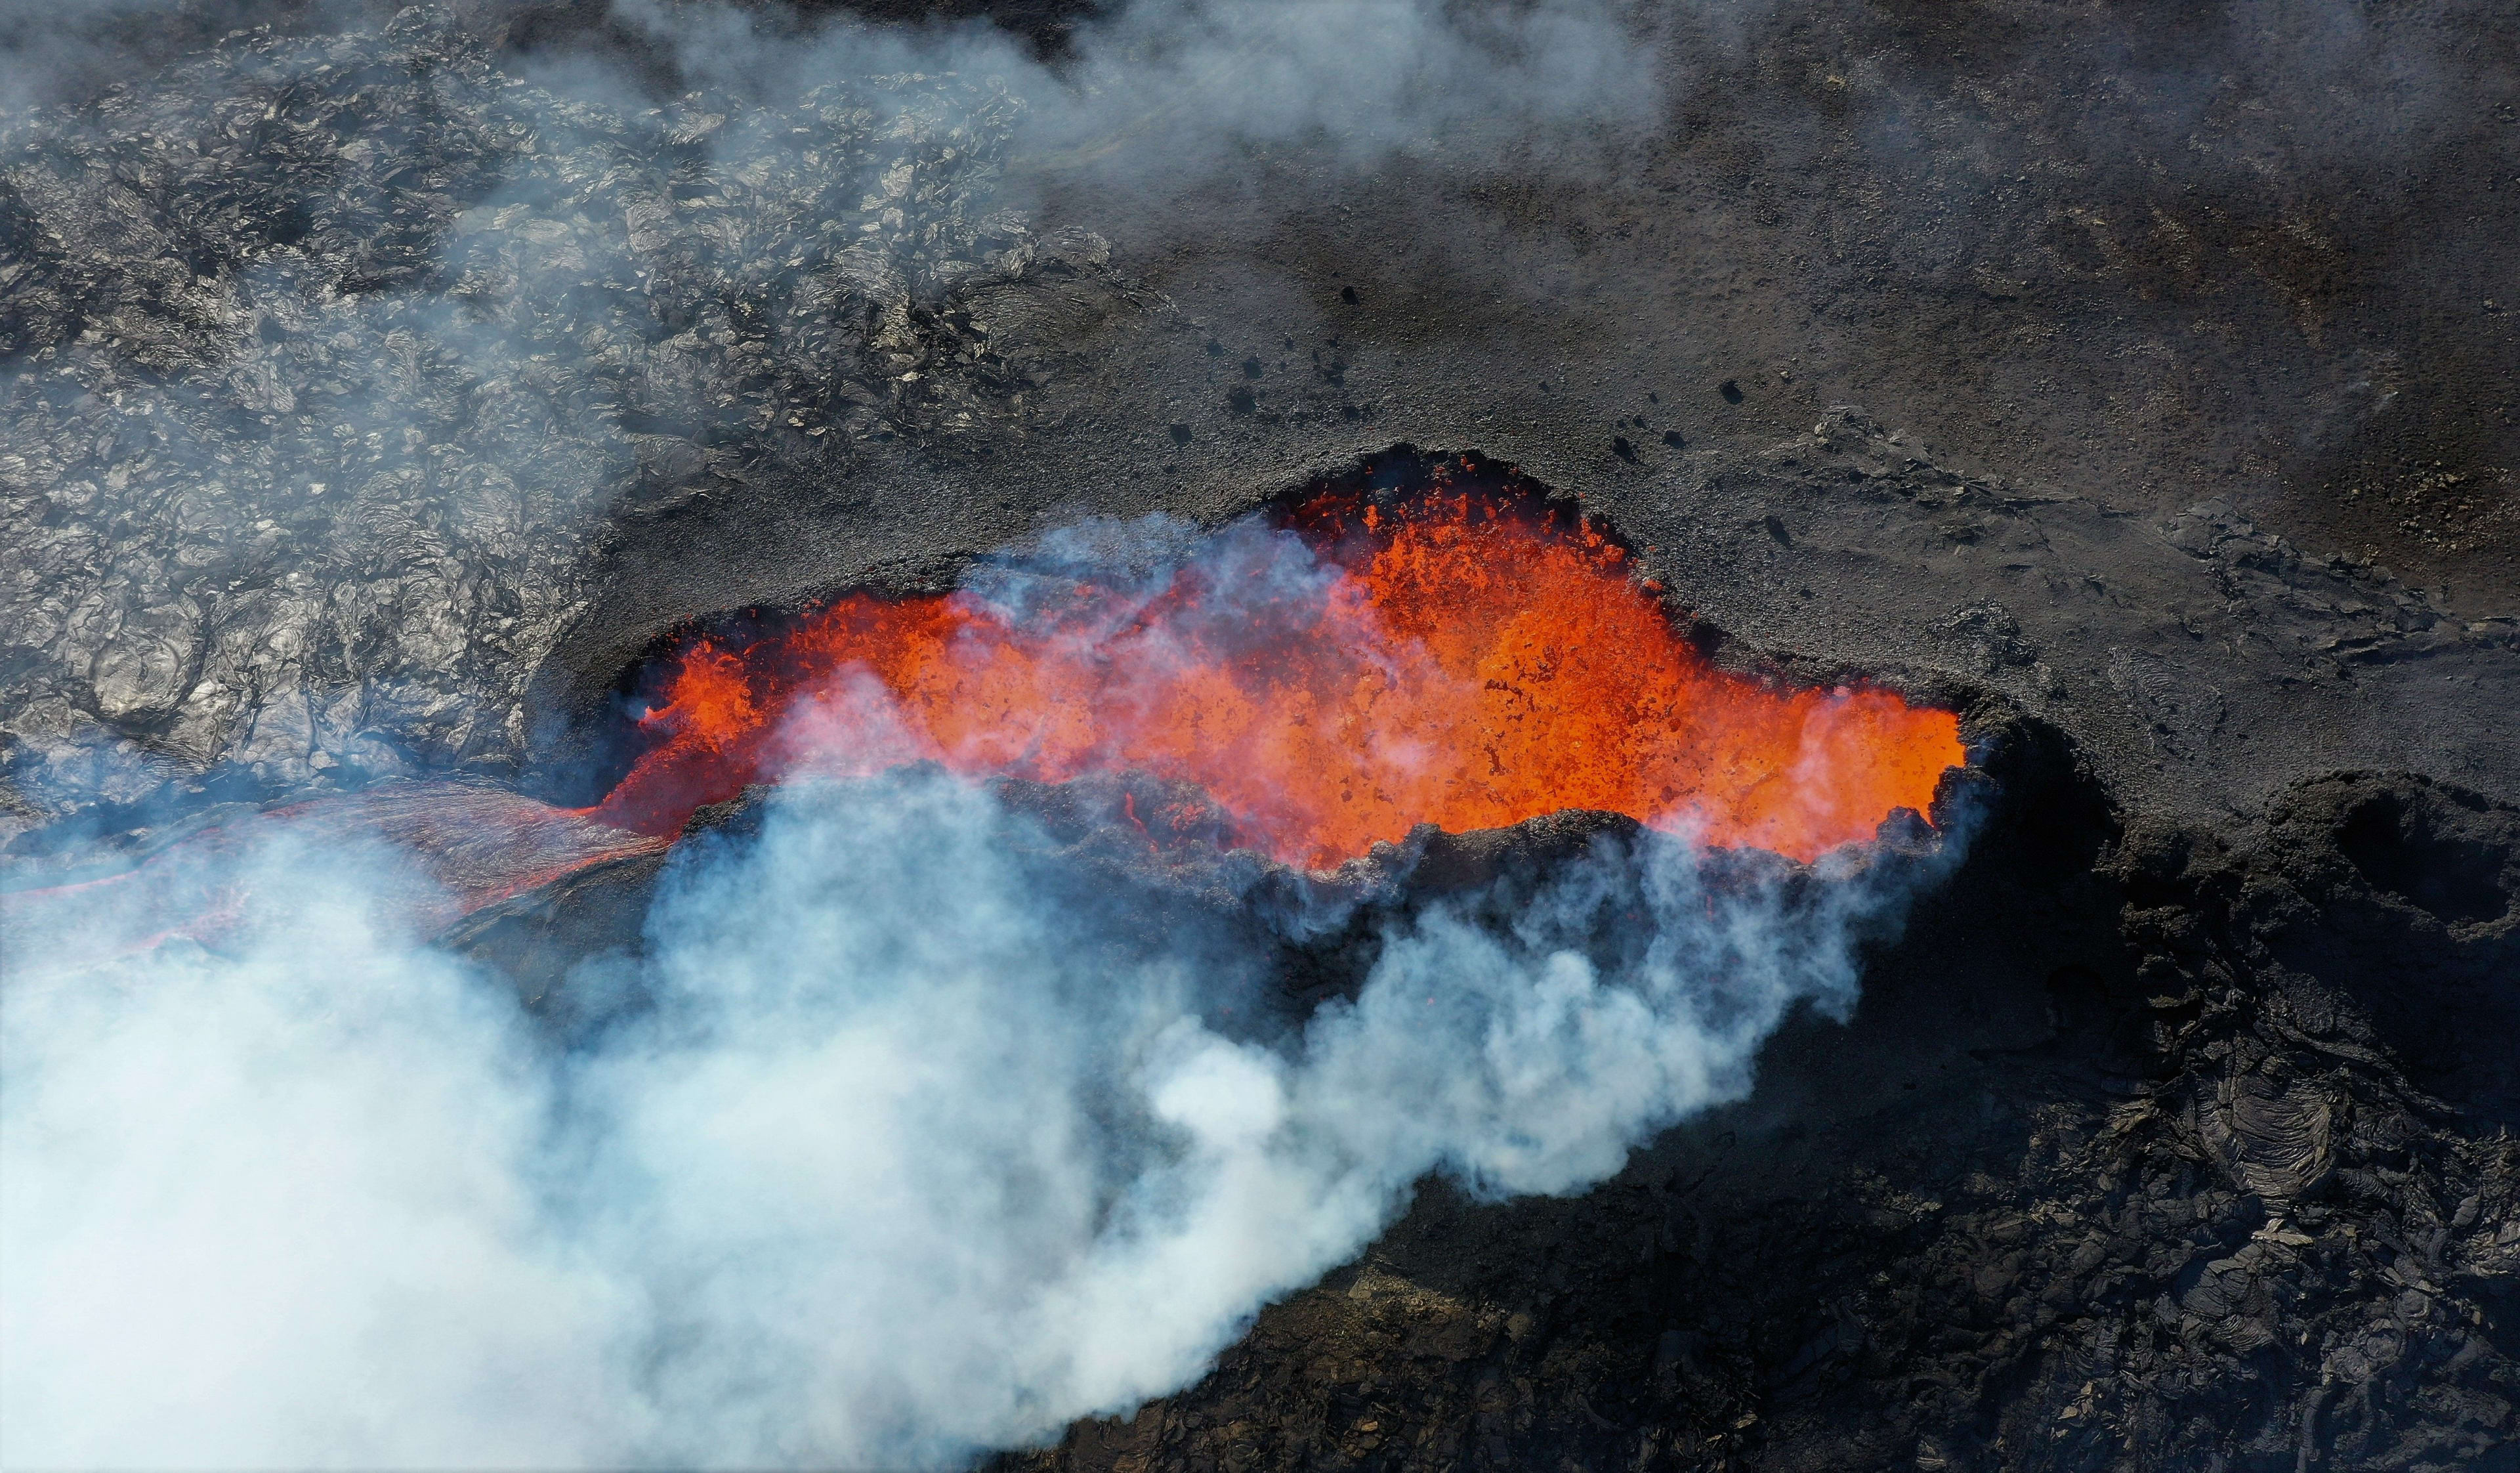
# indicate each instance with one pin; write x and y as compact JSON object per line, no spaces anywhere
{"x":902,"y":1137}
{"x":905,"y":1140}
{"x":1188,"y":87}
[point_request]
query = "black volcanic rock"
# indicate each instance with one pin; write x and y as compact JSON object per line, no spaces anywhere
{"x":2181,"y":1208}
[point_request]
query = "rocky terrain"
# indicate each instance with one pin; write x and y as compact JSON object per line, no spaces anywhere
{"x":381,"y":392}
{"x":2186,"y":1200}
{"x":336,"y":359}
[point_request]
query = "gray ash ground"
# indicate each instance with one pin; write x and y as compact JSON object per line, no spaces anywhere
{"x":376,"y":399}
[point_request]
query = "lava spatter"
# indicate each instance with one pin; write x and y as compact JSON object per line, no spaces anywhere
{"x":1332,"y":677}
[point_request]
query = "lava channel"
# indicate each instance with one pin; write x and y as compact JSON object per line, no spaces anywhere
{"x":1469,"y":656}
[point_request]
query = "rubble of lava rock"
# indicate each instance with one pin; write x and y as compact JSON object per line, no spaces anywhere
{"x":327,"y":361}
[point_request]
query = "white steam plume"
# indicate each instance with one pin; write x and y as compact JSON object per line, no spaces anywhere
{"x":919,"y":1144}
{"x":1167,"y":91}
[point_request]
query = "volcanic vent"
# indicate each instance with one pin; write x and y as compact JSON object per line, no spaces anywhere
{"x":1424,"y":641}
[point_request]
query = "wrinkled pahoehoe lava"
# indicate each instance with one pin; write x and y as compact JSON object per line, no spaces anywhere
{"x":406,"y":413}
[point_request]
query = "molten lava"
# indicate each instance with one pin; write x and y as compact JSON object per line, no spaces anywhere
{"x":1468,"y":658}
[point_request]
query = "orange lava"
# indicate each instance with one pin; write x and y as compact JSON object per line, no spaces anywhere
{"x":1466,"y":657}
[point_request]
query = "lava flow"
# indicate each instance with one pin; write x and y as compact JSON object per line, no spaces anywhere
{"x":1468,"y":658}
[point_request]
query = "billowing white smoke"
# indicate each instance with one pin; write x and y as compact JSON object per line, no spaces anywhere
{"x":287,"y":1205}
{"x":912,"y":1147}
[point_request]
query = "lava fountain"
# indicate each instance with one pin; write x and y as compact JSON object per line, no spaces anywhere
{"x":1332,"y":673}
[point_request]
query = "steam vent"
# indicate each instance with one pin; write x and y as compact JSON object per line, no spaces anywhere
{"x":1165,"y":737}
